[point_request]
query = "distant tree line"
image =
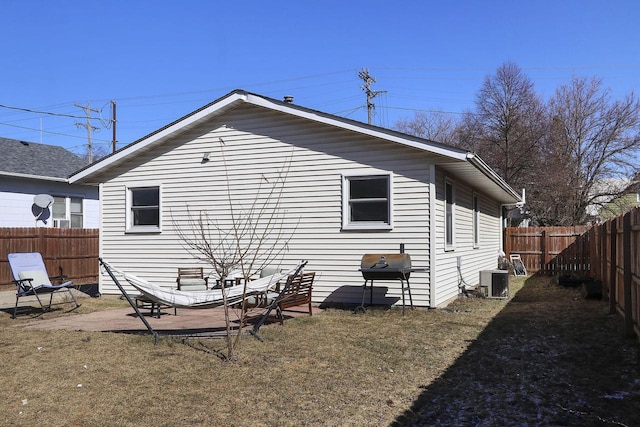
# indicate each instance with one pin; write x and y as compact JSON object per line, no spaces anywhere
{"x":572,"y":154}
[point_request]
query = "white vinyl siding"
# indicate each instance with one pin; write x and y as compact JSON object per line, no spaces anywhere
{"x":473,"y":258}
{"x":17,"y":201}
{"x":249,"y":147}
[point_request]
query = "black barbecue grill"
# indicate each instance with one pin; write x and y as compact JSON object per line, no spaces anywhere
{"x":387,"y":267}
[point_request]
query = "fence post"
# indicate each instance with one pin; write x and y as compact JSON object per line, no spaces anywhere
{"x":613,"y":265}
{"x":543,"y":251}
{"x":602,"y":232}
{"x":626,"y":244}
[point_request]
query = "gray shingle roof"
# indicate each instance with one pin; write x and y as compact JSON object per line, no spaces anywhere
{"x":30,"y":158}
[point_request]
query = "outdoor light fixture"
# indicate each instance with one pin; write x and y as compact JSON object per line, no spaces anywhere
{"x":205,"y":157}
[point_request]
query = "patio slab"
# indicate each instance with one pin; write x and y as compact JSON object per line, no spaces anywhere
{"x":205,"y":322}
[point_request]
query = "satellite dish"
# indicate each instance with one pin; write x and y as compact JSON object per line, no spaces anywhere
{"x":43,"y":200}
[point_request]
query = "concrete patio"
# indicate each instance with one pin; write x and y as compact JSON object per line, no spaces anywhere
{"x":190,"y":322}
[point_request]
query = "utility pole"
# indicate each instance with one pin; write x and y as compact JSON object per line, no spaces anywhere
{"x":368,"y":80}
{"x":113,"y":123}
{"x":90,"y":128}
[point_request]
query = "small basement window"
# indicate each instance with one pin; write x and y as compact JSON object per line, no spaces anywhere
{"x":367,"y":202}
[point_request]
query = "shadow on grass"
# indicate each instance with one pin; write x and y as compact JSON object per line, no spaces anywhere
{"x":549,"y":357}
{"x":32,"y":311}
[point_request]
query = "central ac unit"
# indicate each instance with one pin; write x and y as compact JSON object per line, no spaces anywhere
{"x":496,"y":283}
{"x":61,"y":223}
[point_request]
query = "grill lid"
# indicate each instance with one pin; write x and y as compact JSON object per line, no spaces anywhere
{"x":385,"y":262}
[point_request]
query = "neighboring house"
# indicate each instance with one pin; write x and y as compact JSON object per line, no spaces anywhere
{"x":629,"y":199}
{"x":27,"y":170}
{"x":619,"y":195}
{"x":350,"y":189}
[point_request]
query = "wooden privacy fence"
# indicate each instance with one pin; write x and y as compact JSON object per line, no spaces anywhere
{"x":550,"y":250}
{"x":616,"y":262}
{"x":69,"y":251}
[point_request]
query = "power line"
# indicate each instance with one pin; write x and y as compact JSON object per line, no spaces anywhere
{"x":49,"y":132}
{"x":28,"y":110}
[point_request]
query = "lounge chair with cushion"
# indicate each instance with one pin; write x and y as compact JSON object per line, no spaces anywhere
{"x":192,"y":279}
{"x":31,"y":278}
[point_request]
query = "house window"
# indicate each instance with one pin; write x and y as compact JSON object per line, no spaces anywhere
{"x":449,"y":216}
{"x":75,"y":212}
{"x":476,"y":221}
{"x":143,"y":209}
{"x":67,"y":212}
{"x":367,"y":202}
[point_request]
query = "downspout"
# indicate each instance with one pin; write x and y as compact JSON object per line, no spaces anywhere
{"x":432,"y":235}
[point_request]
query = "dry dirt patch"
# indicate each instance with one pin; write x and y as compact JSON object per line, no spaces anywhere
{"x":544,"y":357}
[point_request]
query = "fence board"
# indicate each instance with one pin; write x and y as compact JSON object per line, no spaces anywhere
{"x":551,"y":250}
{"x":69,"y":251}
{"x":619,"y":239}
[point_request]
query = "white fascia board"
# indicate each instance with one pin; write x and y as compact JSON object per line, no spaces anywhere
{"x":240,"y":96}
{"x":38,"y":177}
{"x":476,"y":161}
{"x":175,"y":127}
{"x":450,"y":152}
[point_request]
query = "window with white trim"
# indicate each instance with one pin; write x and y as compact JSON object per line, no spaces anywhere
{"x":367,"y":202}
{"x":449,"y":216}
{"x":143,"y":209}
{"x":67,"y":212}
{"x":476,"y":221}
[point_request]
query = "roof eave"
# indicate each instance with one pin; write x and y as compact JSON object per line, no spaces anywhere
{"x":513,"y":198}
{"x":158,"y":136}
{"x":239,"y":96}
{"x":348,"y":124}
{"x":29,"y":176}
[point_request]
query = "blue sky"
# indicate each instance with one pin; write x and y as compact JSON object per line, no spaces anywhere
{"x":160,"y":60}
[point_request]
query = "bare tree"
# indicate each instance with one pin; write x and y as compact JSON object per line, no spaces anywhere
{"x":593,"y":146}
{"x":248,"y":239}
{"x":507,"y":127}
{"x":98,"y":152}
{"x":435,"y":126}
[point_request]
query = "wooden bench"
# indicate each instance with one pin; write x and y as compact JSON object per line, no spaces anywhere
{"x":298,"y":293}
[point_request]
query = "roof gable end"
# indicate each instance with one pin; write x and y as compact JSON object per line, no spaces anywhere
{"x":238,"y":97}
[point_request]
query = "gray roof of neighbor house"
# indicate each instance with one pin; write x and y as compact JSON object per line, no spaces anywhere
{"x":32,"y":160}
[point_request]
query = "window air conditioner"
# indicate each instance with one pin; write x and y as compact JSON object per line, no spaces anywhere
{"x":495,"y":283}
{"x":61,"y":223}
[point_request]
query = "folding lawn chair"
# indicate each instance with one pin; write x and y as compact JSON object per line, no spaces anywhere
{"x":31,"y":278}
{"x":518,"y":266}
